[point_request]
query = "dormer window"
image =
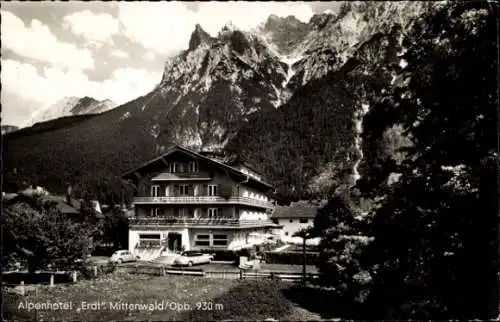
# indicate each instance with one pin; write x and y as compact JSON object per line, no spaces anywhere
{"x":174,"y":167}
{"x":193,"y":166}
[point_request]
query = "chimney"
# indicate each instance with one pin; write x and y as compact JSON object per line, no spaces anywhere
{"x":69,"y":195}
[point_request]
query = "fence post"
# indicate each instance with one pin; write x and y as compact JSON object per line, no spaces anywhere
{"x":163,"y":272}
{"x":74,"y":276}
{"x":51,"y":280}
{"x":22,"y":288}
{"x":95,"y":270}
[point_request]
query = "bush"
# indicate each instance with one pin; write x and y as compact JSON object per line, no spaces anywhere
{"x":250,"y":300}
{"x":87,"y":271}
{"x":290,"y":258}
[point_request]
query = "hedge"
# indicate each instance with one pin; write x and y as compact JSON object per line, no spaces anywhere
{"x":290,"y":258}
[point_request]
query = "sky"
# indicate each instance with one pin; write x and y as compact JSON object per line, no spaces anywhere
{"x":108,"y":50}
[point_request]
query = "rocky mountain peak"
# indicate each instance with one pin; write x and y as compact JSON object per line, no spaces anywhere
{"x":284,"y":33}
{"x":320,"y":20}
{"x":198,"y":37}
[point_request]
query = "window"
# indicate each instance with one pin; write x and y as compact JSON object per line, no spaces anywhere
{"x":212,"y":212}
{"x":179,"y":212}
{"x":155,"y":212}
{"x":291,"y":220}
{"x":219,"y":240}
{"x":202,"y":240}
{"x":149,"y":236}
{"x":303,"y":220}
{"x":155,"y":191}
{"x":212,"y":190}
{"x":174,"y":167}
{"x":185,"y":189}
{"x":193,"y":166}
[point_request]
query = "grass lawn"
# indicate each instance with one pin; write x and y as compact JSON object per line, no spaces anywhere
{"x":193,"y":298}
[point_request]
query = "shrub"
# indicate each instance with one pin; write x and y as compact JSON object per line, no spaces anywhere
{"x":250,"y":300}
{"x":87,"y":271}
{"x":290,"y":258}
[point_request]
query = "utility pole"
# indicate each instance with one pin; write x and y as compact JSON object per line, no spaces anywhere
{"x":304,"y":260}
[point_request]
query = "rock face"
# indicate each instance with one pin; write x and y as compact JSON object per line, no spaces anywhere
{"x":69,"y":106}
{"x":285,"y":80}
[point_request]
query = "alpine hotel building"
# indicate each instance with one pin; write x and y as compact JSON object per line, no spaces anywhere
{"x":192,"y":201}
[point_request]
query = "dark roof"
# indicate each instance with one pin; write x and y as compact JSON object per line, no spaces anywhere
{"x":300,"y":209}
{"x":200,"y":156}
{"x":63,"y":206}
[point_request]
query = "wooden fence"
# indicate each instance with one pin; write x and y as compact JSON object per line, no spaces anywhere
{"x":223,"y":274}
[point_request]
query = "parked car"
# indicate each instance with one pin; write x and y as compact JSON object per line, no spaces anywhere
{"x":122,"y":256}
{"x":190,"y":258}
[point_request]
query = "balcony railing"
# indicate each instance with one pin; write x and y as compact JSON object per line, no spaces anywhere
{"x":203,"y":200}
{"x":203,"y":221}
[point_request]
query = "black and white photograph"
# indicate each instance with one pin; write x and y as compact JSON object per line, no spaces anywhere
{"x":250,"y":161}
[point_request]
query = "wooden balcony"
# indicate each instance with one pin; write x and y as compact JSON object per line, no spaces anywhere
{"x":203,"y":200}
{"x":205,"y":222}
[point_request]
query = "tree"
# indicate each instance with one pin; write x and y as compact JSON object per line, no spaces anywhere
{"x":432,"y":228}
{"x":116,"y":228}
{"x":39,"y":236}
{"x":340,"y":225}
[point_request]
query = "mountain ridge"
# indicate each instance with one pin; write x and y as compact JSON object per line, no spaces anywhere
{"x":68,"y":106}
{"x":219,"y":85}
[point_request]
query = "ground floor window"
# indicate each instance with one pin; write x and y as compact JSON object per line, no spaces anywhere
{"x":209,"y":239}
{"x":149,"y":240}
{"x":219,"y":240}
{"x":202,"y":240}
{"x":149,"y":236}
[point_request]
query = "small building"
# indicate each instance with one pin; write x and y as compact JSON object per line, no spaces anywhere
{"x":188,"y":200}
{"x":298,"y":215}
{"x":67,"y":205}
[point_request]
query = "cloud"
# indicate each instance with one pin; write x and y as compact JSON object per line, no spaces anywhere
{"x":150,"y":55}
{"x":125,"y":84}
{"x":119,"y":53}
{"x":37,"y":42}
{"x":165,"y":27}
{"x":93,"y":27}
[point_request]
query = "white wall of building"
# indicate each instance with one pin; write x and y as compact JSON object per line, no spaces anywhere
{"x":293,"y":225}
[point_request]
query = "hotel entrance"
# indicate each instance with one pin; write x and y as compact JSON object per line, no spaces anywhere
{"x":174,"y":242}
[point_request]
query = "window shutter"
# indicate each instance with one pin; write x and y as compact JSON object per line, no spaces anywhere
{"x":191,"y":190}
{"x":177,"y":190}
{"x":205,"y":190}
